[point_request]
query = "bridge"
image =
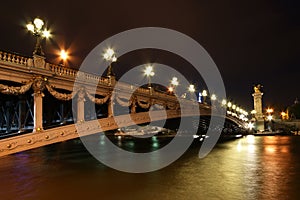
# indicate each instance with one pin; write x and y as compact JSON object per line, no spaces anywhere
{"x":36,"y":106}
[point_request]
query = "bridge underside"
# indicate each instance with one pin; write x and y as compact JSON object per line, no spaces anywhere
{"x":63,"y":133}
{"x":68,"y":132}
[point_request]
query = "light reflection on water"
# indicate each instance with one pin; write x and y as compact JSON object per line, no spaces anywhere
{"x":248,"y":168}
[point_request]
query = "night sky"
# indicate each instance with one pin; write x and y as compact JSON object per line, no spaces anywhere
{"x":251,"y":42}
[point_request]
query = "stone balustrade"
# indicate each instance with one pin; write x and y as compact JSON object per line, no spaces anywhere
{"x":13,"y":58}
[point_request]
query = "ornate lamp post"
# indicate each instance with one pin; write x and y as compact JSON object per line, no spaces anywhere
{"x":110,"y":56}
{"x":36,"y":29}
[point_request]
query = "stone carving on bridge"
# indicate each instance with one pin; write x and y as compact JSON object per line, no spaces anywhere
{"x":97,"y":100}
{"x":60,"y":96}
{"x":39,"y":61}
{"x":39,"y":84}
{"x":5,"y":89}
{"x":124,"y":103}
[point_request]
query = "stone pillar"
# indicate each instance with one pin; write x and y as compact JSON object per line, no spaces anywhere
{"x":38,"y":87}
{"x":80,"y":106}
{"x":110,"y":107}
{"x":257,"y":99}
{"x":38,"y":112}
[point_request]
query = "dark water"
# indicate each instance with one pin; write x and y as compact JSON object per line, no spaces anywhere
{"x":248,"y":168}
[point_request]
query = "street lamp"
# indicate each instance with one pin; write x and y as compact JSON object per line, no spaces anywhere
{"x":110,"y":56}
{"x":224,"y":102}
{"x":174,"y":81}
{"x":149,"y":72}
{"x":284,"y":115}
{"x":174,"y":84}
{"x":270,"y":117}
{"x":192,"y":88}
{"x":64,"y":56}
{"x":270,"y":111}
{"x":204,"y":94}
{"x":229,"y":104}
{"x":233,"y":107}
{"x":213,"y":97}
{"x":170,"y":89}
{"x":36,"y":29}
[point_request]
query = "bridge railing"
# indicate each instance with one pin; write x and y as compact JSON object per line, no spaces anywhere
{"x":13,"y":58}
{"x":60,"y":70}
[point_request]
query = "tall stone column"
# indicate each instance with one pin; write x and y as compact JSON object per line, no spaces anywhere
{"x":80,"y":105}
{"x":257,"y":99}
{"x":38,"y":87}
{"x":110,"y":107}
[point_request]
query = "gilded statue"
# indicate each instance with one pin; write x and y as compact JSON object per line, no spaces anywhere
{"x":257,"y":88}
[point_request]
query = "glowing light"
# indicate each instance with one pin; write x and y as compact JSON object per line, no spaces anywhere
{"x":64,"y":55}
{"x":109,"y":55}
{"x":253,"y":112}
{"x":204,"y":93}
{"x":224,"y":102}
{"x":30,"y":27}
{"x":270,"y":110}
{"x":174,"y":81}
{"x":38,"y":23}
{"x":229,"y":104}
{"x":192,"y":88}
{"x":46,"y":34}
{"x":270,"y":117}
{"x":170,"y":89}
{"x":149,"y":71}
{"x":213,"y":97}
{"x":250,"y":125}
{"x":233,"y":107}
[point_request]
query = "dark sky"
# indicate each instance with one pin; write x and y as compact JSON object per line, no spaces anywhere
{"x":251,"y":42}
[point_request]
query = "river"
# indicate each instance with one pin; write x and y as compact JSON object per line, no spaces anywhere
{"x":261,"y":167}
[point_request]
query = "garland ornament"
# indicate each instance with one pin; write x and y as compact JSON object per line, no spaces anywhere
{"x":11,"y":90}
